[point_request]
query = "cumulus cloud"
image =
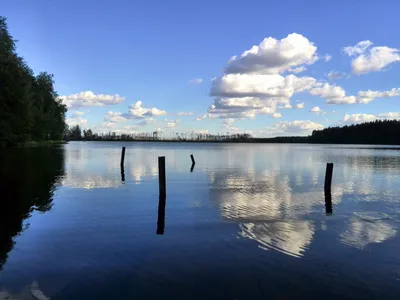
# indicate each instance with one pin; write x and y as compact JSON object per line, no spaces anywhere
{"x":316,"y":110}
{"x":334,"y":75}
{"x":89,"y":98}
{"x":136,"y":111}
{"x":114,"y":117}
{"x":247,"y":95}
{"x":78,"y":113}
{"x":76,"y":121}
{"x":300,"y":105}
{"x":274,"y":56}
{"x":327,"y":57}
{"x":368,"y":96}
{"x":185,"y":113}
{"x":298,"y":69}
{"x":371,"y":59}
{"x":276,"y":115}
{"x":196,"y":81}
{"x":287,"y":105}
{"x":146,"y":121}
{"x":171,"y":123}
{"x":334,"y":94}
{"x":293,"y":128}
{"x":337,"y":95}
{"x":361,"y":117}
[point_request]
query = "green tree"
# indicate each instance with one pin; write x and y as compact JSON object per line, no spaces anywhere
{"x":29,"y":106}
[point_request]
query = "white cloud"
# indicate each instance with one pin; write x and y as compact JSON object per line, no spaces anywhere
{"x":334,"y":75}
{"x":368,"y":96}
{"x":78,"y":113}
{"x":115,"y":117}
{"x":327,"y":57}
{"x":76,"y":121}
{"x":88,"y":98}
{"x":247,"y":95}
{"x":337,"y":95}
{"x":316,"y":110}
{"x":334,"y":94}
{"x":298,"y":69}
{"x":300,"y":105}
{"x":146,"y":121}
{"x":276,"y":115}
{"x":358,"y":49}
{"x":196,"y":81}
{"x":389,"y":115}
{"x":293,"y":128}
{"x":274,"y":56}
{"x":171,"y":123}
{"x":360,"y":118}
{"x":136,"y":111}
{"x":287,"y":106}
{"x":371,"y":59}
{"x":184,"y":113}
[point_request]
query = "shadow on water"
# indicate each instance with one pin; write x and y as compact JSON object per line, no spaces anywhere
{"x":28,"y":180}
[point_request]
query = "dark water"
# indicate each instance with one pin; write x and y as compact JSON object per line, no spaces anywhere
{"x":248,"y":223}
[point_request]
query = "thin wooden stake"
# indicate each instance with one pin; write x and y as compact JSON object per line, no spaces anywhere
{"x":122,"y":157}
{"x":192,"y":157}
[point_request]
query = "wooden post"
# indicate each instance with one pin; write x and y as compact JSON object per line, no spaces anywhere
{"x":161,"y":215}
{"x":191,"y":156}
{"x":122,"y":174}
{"x":122,"y":157}
{"x":161,"y":176}
{"x":327,"y":188}
{"x":328,"y":177}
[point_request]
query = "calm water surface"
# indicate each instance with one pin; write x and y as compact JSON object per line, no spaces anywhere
{"x":248,"y":223}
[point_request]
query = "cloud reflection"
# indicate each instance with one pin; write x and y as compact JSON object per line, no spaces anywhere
{"x":289,"y":237}
{"x":364,"y":230}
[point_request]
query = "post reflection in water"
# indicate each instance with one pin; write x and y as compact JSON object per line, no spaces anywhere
{"x":161,"y":214}
{"x":122,"y":174}
{"x":29,"y":177}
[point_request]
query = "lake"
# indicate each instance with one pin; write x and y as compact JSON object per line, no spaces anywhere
{"x":248,"y":222}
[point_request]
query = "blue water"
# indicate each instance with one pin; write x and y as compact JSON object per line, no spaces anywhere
{"x":248,"y":223}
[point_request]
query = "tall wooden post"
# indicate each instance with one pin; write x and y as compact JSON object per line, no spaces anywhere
{"x":328,"y":177}
{"x":327,"y":188}
{"x":161,"y":176}
{"x":192,"y":157}
{"x":122,"y":157}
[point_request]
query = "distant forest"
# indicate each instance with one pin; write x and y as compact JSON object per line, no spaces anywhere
{"x":384,"y":132}
{"x":30,"y":109}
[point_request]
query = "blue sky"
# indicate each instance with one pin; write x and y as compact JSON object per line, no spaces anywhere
{"x":130,"y":66}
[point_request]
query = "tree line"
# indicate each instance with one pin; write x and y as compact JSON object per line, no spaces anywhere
{"x":384,"y":132}
{"x":30,"y":109}
{"x":75,"y":133}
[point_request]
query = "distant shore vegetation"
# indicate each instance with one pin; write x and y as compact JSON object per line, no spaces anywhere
{"x":380,"y":132}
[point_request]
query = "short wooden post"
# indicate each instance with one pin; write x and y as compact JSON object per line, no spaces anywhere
{"x":192,"y":157}
{"x":122,"y":157}
{"x":161,"y":176}
{"x":161,"y":215}
{"x":328,"y":177}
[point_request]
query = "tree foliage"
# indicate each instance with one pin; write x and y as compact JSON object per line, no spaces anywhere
{"x":383,"y":132}
{"x":30,"y":108}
